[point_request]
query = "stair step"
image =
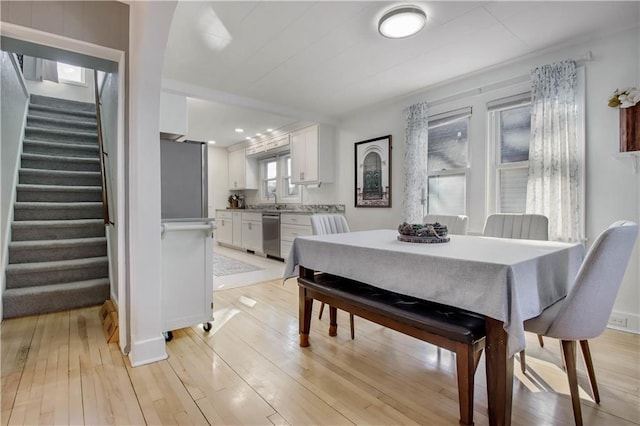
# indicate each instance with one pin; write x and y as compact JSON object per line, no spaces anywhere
{"x":55,"y":297}
{"x":30,"y":230}
{"x":21,"y":275}
{"x":62,"y":103}
{"x":54,"y":112}
{"x":57,"y":193}
{"x":59,"y":177}
{"x":52,"y":250}
{"x":72,"y":136}
{"x":56,"y":211}
{"x":64,"y":149}
{"x":59,"y":123}
{"x":54,"y":162}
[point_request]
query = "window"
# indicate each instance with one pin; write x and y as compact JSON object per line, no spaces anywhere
{"x":276,"y":179}
{"x":70,"y":74}
{"x":448,"y":162}
{"x":510,"y":128}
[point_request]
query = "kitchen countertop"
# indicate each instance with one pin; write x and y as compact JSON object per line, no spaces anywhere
{"x":291,"y":209}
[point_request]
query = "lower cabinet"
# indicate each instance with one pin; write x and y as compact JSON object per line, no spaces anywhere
{"x":292,"y":226}
{"x":237,"y":229}
{"x":224,"y":227}
{"x":252,"y":231}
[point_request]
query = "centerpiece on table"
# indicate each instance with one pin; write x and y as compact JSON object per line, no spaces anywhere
{"x":627,"y":100}
{"x":423,"y":233}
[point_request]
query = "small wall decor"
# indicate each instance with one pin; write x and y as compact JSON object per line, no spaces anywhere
{"x":373,"y":172}
{"x":627,"y":101}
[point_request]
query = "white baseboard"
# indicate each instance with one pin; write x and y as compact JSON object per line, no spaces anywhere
{"x":147,"y":351}
{"x":632,"y":322}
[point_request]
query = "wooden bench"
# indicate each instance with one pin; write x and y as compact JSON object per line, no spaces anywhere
{"x":451,"y":328}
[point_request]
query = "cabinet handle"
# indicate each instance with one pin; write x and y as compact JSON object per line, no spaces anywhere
{"x":249,"y":225}
{"x":301,"y":175}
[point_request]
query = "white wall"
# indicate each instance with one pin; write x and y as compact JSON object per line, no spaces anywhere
{"x":13,"y":111}
{"x":73,"y":92}
{"x":612,"y":191}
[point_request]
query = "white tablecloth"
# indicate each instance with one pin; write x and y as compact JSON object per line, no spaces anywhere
{"x":505,"y":279}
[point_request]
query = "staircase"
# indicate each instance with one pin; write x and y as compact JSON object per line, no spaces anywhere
{"x":58,"y":250}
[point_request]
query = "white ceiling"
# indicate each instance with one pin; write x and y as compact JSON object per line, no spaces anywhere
{"x":321,"y":60}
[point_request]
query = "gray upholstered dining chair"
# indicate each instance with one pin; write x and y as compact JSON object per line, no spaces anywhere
{"x":456,"y":224}
{"x":322,"y":224}
{"x":522,"y":226}
{"x":583,"y":314}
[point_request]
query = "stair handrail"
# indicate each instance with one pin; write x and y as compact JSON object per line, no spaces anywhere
{"x":103,"y":174}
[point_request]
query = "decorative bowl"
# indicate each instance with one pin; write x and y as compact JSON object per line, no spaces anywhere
{"x":423,"y":233}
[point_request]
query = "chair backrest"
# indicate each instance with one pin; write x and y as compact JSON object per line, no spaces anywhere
{"x":586,"y":309}
{"x":456,"y":225}
{"x":322,"y":224}
{"x":521,"y":226}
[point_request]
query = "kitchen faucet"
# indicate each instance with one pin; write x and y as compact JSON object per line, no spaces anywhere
{"x":275,"y":198}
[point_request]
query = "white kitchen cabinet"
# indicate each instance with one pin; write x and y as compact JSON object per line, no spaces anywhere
{"x":224,"y":225}
{"x":292,"y":226}
{"x":237,"y":229}
{"x":243,"y":171}
{"x":312,"y":155}
{"x":252,"y":231}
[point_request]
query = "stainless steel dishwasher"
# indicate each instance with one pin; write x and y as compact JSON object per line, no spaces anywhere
{"x":271,"y":234}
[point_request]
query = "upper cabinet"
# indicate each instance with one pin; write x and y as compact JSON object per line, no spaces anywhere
{"x":243,"y":171}
{"x":312,"y":158}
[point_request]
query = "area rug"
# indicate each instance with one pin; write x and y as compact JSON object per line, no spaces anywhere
{"x":223,"y":265}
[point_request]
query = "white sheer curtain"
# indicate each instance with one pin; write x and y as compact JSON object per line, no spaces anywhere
{"x":555,"y":173}
{"x":415,"y":162}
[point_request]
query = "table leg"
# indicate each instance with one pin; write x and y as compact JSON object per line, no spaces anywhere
{"x":305,"y":306}
{"x":499,"y":374}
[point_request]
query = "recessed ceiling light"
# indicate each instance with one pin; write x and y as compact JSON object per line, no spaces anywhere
{"x":239,"y":130}
{"x":269,"y":130}
{"x":258,"y":134}
{"x":402,"y":21}
{"x":248,"y":138}
{"x":212,"y":142}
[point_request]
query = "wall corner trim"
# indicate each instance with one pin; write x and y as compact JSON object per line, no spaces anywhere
{"x":147,"y":351}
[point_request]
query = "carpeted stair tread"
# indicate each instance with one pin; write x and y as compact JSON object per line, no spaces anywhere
{"x":49,"y":134}
{"x":20,"y":275}
{"x":56,"y":211}
{"x":30,"y":230}
{"x":52,"y":250}
{"x":58,"y":193}
{"x":60,"y":123}
{"x":55,"y":162}
{"x":54,"y":297}
{"x":62,"y":103}
{"x":59,"y":188}
{"x":53,"y":112}
{"x":34,"y":146}
{"x":58,"y":177}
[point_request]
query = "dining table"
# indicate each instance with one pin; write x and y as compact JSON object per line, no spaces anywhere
{"x":506,"y":280}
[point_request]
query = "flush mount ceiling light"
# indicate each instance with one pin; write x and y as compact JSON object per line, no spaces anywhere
{"x":402,"y":21}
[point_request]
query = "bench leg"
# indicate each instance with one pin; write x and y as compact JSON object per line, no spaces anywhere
{"x":305,"y":305}
{"x":333,"y":321}
{"x":465,"y":361}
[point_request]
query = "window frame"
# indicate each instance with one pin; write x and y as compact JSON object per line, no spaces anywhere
{"x":281,"y":176}
{"x":442,"y":119}
{"x":83,"y":73}
{"x":496,"y":166}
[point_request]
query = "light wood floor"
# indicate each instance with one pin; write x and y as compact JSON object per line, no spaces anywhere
{"x":249,"y":369}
